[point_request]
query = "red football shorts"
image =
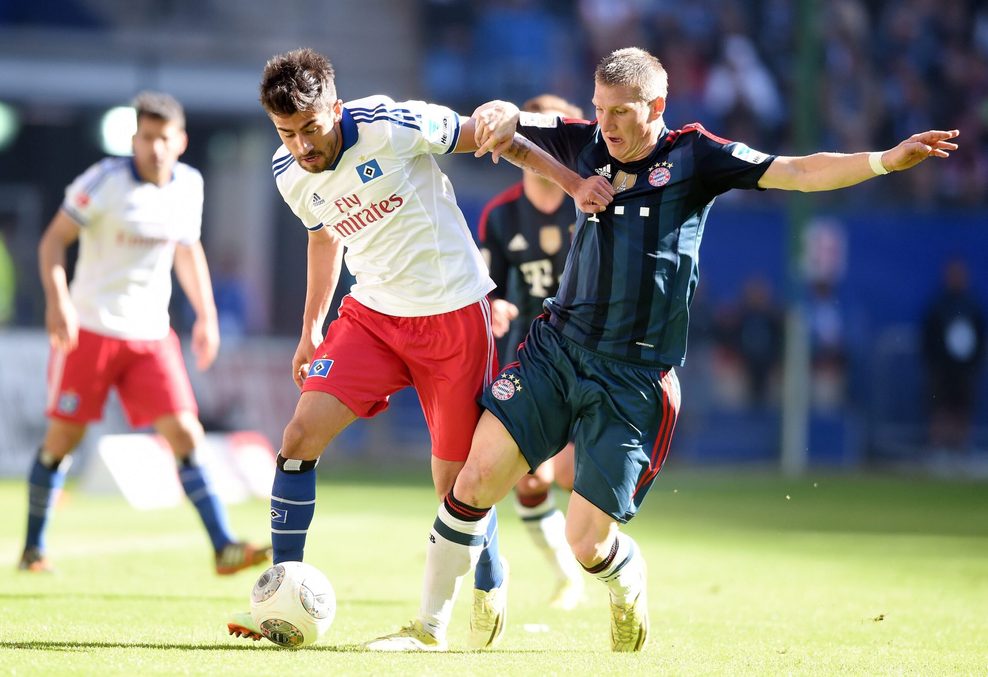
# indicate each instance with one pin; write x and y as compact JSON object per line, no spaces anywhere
{"x":449,"y":359}
{"x":149,"y":376}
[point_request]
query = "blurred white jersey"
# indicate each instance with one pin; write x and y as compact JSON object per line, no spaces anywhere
{"x":123,"y":277}
{"x":407,"y":243}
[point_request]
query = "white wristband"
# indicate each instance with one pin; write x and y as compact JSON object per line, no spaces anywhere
{"x":875,"y":160}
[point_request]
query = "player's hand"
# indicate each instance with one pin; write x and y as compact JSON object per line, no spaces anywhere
{"x":494,"y":128}
{"x":593,"y":194}
{"x":303,"y":358}
{"x":502,"y":313}
{"x":205,"y":342}
{"x":918,"y":147}
{"x":62,"y":323}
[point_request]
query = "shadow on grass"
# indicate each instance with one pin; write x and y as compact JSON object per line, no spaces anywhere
{"x":44,"y":645}
{"x":130,"y":597}
{"x":112,"y":596}
{"x":69,"y":646}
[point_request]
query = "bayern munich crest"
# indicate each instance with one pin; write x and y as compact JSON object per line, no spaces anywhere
{"x":659,"y":176}
{"x":503,"y":389}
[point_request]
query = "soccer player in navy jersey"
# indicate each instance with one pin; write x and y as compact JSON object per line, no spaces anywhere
{"x":525,"y":233}
{"x":599,"y":366}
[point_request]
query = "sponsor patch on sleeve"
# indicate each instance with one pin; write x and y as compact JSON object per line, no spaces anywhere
{"x":527,"y":119}
{"x":743,"y":152}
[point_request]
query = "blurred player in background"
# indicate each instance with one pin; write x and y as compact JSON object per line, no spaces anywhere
{"x":954,"y":346}
{"x":598,"y":368}
{"x":525,"y":234}
{"x":361,"y":177}
{"x":135,"y":219}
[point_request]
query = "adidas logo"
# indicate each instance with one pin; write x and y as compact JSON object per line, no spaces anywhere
{"x":317,"y":201}
{"x":517,"y":244}
{"x":604,"y":171}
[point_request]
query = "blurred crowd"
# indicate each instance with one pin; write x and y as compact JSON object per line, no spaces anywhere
{"x":886,"y":69}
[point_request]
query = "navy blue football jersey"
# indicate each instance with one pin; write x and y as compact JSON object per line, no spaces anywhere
{"x":632,"y":269}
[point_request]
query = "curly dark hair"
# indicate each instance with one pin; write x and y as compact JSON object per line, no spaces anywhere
{"x":299,"y":80}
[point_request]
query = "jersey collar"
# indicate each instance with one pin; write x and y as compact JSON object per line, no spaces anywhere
{"x":348,"y":132}
{"x":137,"y":175}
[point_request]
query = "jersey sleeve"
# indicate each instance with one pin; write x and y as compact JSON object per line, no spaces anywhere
{"x":722,"y":164}
{"x":560,"y":137}
{"x":417,"y":127}
{"x":192,"y":230}
{"x":82,"y":197}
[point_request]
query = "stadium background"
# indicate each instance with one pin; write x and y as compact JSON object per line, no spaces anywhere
{"x":883,"y":70}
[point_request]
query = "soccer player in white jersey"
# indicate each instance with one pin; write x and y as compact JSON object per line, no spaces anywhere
{"x":361,"y":178}
{"x":135,"y":219}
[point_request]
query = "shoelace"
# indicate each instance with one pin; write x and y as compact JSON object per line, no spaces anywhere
{"x":621,"y":613}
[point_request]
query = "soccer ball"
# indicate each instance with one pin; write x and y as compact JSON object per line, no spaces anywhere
{"x":293,"y":604}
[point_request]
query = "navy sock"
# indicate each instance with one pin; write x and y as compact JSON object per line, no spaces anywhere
{"x":44,"y":483}
{"x":293,"y":503}
{"x":207,"y":504}
{"x":489,"y":573}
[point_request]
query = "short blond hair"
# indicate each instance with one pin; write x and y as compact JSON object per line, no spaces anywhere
{"x":634,"y":67}
{"x":550,"y":103}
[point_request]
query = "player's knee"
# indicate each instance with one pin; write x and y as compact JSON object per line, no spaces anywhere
{"x":584,"y":550}
{"x":183,"y":431}
{"x":185,"y":435}
{"x":296,"y":441}
{"x":589,"y":547}
{"x":473,"y":486}
{"x":58,"y":447}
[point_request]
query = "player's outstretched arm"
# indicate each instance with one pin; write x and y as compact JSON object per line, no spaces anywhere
{"x":829,"y":171}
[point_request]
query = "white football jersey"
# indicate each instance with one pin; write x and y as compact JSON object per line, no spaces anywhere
{"x":129,"y":229}
{"x":407,"y":243}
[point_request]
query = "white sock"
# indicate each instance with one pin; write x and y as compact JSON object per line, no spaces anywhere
{"x":453,"y":550}
{"x":623,"y":573}
{"x":547,"y":527}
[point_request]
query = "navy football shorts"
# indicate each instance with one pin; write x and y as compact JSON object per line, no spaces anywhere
{"x":620,"y":416}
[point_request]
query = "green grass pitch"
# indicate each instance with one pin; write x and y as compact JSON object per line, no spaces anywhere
{"x":750,"y":574}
